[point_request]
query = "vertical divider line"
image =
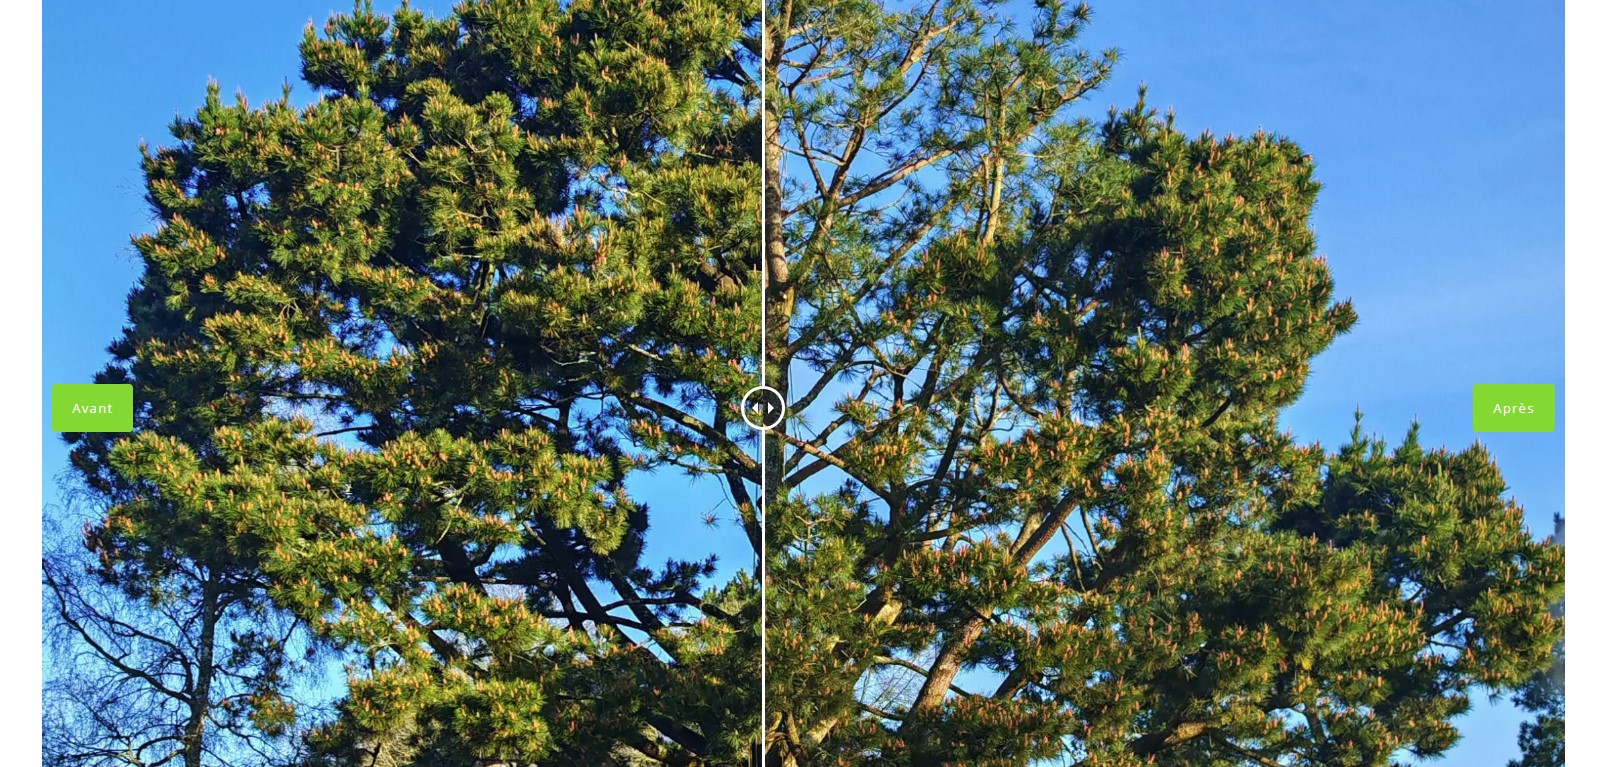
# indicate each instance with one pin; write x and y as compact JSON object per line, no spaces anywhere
{"x":765,"y":267}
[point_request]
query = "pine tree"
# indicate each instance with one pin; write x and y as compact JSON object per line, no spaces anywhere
{"x":400,"y":351}
{"x":1033,"y":505}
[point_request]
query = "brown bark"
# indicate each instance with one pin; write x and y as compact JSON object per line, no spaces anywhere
{"x":201,"y":694}
{"x":778,"y":308}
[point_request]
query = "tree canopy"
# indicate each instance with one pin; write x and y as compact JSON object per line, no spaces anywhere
{"x":1035,"y":503}
{"x":400,"y":351}
{"x":403,"y":352}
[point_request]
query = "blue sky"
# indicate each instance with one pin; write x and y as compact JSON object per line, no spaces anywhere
{"x":1437,"y":131}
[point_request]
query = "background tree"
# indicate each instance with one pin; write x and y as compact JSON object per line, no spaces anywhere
{"x":188,"y":666}
{"x":1542,"y":740}
{"x":401,"y":351}
{"x":1035,"y":363}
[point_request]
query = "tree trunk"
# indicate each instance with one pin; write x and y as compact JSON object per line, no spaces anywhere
{"x":201,"y":691}
{"x":778,"y":307}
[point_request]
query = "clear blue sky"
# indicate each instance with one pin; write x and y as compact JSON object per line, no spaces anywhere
{"x":1437,"y":131}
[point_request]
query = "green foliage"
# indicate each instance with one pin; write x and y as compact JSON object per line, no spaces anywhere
{"x":402,"y":350}
{"x":1035,"y":506}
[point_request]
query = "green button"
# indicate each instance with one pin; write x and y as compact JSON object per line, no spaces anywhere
{"x":1513,"y":407}
{"x":91,"y":407}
